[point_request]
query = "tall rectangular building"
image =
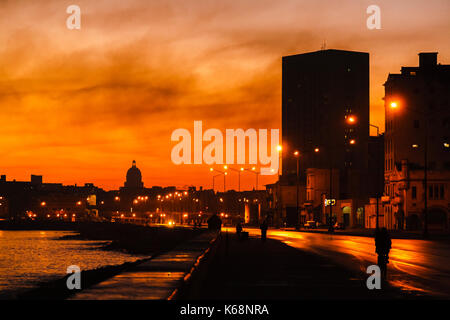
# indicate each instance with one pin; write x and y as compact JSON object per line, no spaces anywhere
{"x":417,"y":121}
{"x":320,"y":91}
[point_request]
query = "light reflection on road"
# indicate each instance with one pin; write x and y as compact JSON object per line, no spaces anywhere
{"x":415,"y":265}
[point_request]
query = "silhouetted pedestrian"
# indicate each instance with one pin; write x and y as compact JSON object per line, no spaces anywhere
{"x":383,"y":245}
{"x":238,"y":229}
{"x":263,"y":228}
{"x":214,"y":223}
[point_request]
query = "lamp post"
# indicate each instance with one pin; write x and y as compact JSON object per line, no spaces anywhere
{"x":297,"y":155}
{"x":239,"y":177}
{"x":378,"y":182}
{"x":213,"y":178}
{"x":224,"y":176}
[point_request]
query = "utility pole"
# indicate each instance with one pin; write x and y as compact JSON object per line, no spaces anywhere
{"x":298,"y":178}
{"x":378,"y":181}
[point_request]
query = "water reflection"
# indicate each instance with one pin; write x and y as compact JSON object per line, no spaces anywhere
{"x":29,"y":257}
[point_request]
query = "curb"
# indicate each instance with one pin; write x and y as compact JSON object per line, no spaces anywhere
{"x":196,"y":273}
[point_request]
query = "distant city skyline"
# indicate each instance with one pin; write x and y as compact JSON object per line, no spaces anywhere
{"x":77,"y":106}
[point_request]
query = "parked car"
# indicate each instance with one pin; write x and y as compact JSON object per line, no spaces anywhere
{"x":310,"y":225}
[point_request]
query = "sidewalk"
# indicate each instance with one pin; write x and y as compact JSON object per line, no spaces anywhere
{"x":158,"y":278}
{"x":274,"y":271}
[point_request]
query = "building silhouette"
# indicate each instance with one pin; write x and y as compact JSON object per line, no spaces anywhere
{"x":134,"y":178}
{"x":321,"y":91}
{"x":417,"y":121}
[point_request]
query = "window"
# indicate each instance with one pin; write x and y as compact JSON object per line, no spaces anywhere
{"x":414,"y":192}
{"x":436,"y":191}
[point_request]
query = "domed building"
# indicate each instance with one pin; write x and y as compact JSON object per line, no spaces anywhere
{"x":134,"y":178}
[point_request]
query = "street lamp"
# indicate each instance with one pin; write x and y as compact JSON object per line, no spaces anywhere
{"x":239,"y":177}
{"x":214,"y":177}
{"x":224,"y":176}
{"x":330,"y":218}
{"x":297,"y":155}
{"x":377,"y":184}
{"x":351,"y":119}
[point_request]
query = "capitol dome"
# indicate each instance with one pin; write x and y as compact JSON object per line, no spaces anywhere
{"x":134,"y":177}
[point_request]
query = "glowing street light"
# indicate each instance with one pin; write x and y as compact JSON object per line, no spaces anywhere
{"x":224,"y":173}
{"x":393,"y":104}
{"x":351,"y":119}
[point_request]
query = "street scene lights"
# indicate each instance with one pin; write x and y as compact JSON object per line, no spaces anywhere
{"x":224,"y":173}
{"x":351,"y":119}
{"x":239,"y":176}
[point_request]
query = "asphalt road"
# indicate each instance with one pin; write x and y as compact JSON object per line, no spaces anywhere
{"x":420,"y":266}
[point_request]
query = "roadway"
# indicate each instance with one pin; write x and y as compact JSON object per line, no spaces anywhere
{"x":419,"y":266}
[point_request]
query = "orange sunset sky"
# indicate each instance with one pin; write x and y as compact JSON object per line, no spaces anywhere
{"x":78,"y":106}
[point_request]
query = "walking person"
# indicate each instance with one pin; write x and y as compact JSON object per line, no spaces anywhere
{"x":264,"y":228}
{"x":383,"y":245}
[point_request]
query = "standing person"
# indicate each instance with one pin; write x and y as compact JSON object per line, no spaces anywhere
{"x":383,"y":245}
{"x":239,"y":228}
{"x":263,"y":228}
{"x":215,"y":223}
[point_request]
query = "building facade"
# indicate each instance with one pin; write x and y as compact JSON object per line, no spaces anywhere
{"x":319,"y":91}
{"x":417,"y":122}
{"x":325,"y":118}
